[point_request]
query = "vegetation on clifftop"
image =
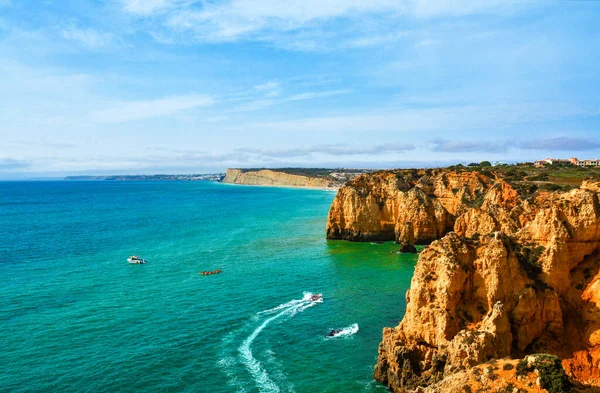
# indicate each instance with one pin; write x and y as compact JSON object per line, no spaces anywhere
{"x":326,"y":173}
{"x":527,"y":178}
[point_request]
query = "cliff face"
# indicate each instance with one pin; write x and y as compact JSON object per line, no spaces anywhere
{"x":266,"y":177}
{"x":509,"y":276}
{"x":378,"y":206}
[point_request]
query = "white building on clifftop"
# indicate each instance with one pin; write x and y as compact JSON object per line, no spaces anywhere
{"x":573,"y":160}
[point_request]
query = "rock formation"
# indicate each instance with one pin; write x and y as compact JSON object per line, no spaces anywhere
{"x":407,"y":238}
{"x":267,"y":177}
{"x":509,"y":275}
{"x":377,"y":206}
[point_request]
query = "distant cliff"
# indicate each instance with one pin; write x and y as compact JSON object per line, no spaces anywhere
{"x":268,"y":177}
{"x":509,"y":274}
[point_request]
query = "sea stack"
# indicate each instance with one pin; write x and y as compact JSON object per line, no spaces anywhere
{"x":407,"y":238}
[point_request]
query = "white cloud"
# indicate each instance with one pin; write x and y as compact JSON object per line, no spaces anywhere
{"x":145,"y":109}
{"x":271,"y":85}
{"x":252,"y":106}
{"x":270,"y":89}
{"x":12,"y":164}
{"x":241,"y":18}
{"x":317,"y":94}
{"x":329,"y":150}
{"x":445,"y":119}
{"x":89,"y":37}
{"x":147,"y":7}
{"x":437,"y":8}
{"x":260,"y":104}
{"x":375,"y":40}
{"x":291,"y":23}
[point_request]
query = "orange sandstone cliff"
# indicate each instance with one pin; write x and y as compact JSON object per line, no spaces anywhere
{"x":505,"y":276}
{"x":377,"y":206}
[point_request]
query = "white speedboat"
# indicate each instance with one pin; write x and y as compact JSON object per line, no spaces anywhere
{"x":136,"y":260}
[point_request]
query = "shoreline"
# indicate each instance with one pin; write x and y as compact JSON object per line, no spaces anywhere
{"x":284,"y":186}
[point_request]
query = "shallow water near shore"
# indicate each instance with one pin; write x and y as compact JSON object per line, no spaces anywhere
{"x":76,"y":317}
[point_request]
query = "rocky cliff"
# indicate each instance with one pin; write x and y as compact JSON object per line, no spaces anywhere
{"x":378,"y":206}
{"x":506,"y":276}
{"x":267,"y":177}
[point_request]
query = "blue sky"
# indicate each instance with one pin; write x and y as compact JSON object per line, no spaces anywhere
{"x":184,"y":86}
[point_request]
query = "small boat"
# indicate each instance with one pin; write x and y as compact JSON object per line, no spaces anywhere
{"x":136,"y":260}
{"x":316,"y":297}
{"x":334,"y":332}
{"x":208,"y":273}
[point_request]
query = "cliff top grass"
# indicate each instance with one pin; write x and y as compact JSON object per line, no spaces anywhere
{"x":526,"y":178}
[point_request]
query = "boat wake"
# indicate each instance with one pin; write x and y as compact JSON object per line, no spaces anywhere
{"x":245,"y":356}
{"x":345,"y":332}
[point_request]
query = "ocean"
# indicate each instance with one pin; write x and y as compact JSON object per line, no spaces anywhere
{"x":76,"y":317}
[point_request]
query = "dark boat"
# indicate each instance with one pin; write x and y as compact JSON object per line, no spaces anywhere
{"x":209,"y":273}
{"x":316,"y":297}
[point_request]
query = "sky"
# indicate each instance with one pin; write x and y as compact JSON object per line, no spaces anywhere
{"x":196,"y":86}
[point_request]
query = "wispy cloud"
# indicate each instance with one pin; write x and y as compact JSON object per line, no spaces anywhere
{"x":147,"y":7}
{"x":270,"y":20}
{"x":87,"y":37}
{"x":255,"y":105}
{"x":145,"y":109}
{"x":11,"y":164}
{"x":438,"y":8}
{"x":561,"y":143}
{"x":461,"y":146}
{"x":316,"y":94}
{"x":440,"y":119}
{"x":375,"y":40}
{"x":264,"y":103}
{"x":331,"y":150}
{"x":271,"y":85}
{"x":270,"y":89}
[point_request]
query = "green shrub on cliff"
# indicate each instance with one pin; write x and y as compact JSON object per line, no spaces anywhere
{"x":551,"y":373}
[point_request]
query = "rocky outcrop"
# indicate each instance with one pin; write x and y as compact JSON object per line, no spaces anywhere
{"x":517,"y":277}
{"x":407,"y":238}
{"x":505,"y":275}
{"x":267,"y":177}
{"x":378,"y":206}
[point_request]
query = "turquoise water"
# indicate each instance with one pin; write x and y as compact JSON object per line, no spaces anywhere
{"x":76,"y":317}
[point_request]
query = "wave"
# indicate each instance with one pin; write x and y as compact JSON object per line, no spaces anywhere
{"x":347,"y":331}
{"x":258,"y":372}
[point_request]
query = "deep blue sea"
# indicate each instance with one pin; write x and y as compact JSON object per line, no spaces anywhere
{"x":76,"y":317}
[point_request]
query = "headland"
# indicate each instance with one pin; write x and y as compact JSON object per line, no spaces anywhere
{"x":318,"y":178}
{"x":506,"y":293}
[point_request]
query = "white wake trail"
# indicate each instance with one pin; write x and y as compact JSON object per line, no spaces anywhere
{"x":263,"y":381}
